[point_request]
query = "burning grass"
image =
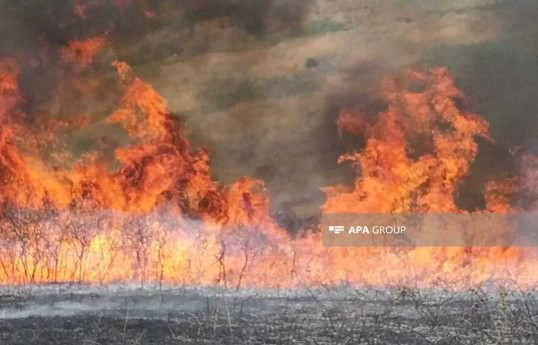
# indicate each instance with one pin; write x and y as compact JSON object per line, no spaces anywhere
{"x":160,"y":217}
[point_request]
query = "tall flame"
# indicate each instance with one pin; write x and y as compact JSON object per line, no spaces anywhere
{"x":160,"y":217}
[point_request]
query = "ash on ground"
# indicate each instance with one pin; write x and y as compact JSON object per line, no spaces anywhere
{"x":121,"y":314}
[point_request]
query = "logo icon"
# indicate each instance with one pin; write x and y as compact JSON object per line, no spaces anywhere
{"x":336,"y":229}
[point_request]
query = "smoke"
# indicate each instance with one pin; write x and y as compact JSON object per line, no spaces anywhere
{"x":269,"y":109}
{"x":501,"y":74}
{"x":261,"y":82}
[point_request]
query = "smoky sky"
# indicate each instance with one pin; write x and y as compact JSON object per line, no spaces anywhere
{"x":261,"y":82}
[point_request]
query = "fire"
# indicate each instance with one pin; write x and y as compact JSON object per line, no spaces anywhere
{"x":416,"y":154}
{"x":417,"y":151}
{"x":82,"y":53}
{"x":160,"y":217}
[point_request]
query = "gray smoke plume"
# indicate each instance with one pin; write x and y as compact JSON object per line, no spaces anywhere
{"x":260,"y":83}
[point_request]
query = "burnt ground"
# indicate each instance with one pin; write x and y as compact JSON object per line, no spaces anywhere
{"x":333,"y":315}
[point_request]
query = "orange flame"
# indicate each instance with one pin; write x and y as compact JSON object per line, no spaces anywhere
{"x":82,"y":53}
{"x":161,"y":218}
